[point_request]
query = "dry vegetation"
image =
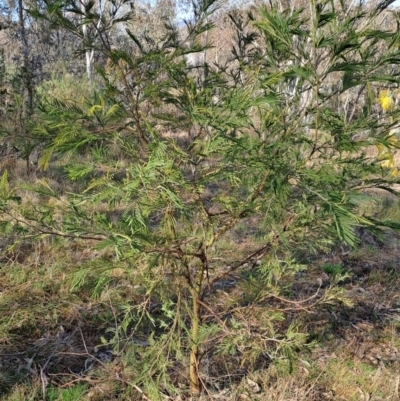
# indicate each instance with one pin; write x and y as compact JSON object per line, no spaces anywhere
{"x":281,"y":318}
{"x":353,"y":350}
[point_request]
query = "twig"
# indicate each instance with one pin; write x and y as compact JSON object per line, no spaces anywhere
{"x":259,"y":253}
{"x":76,"y":379}
{"x":57,"y":233}
{"x":13,"y":354}
{"x":140,"y":391}
{"x":297,"y":303}
{"x":58,"y":343}
{"x":84,"y":343}
{"x":222,"y":324}
{"x":115,"y":320}
{"x":44,"y":382}
{"x":396,"y":389}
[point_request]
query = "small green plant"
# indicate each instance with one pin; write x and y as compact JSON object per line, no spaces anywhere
{"x":334,"y":269}
{"x":74,"y":393}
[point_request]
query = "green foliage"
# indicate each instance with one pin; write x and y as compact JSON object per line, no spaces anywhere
{"x":176,"y":161}
{"x":334,"y":269}
{"x":74,"y":393}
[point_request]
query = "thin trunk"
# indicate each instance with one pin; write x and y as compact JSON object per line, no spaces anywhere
{"x":88,"y":66}
{"x":89,"y":57}
{"x":87,"y":54}
{"x":205,"y":55}
{"x":28,"y":81}
{"x":90,"y":53}
{"x":27,"y":67}
{"x":196,"y":322}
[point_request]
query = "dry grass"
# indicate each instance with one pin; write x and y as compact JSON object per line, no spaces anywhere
{"x":357,"y":357}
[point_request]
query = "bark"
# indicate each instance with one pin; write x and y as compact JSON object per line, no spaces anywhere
{"x":90,"y":53}
{"x":25,"y":49}
{"x":196,"y":322}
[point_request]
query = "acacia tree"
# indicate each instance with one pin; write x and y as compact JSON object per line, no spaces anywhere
{"x":174,"y":175}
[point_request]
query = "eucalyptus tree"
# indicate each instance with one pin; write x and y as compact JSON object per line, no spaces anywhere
{"x":31,"y":52}
{"x":175,"y":180}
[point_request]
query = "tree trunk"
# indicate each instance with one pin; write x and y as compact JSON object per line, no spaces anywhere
{"x":196,"y":322}
{"x":87,"y":53}
{"x":27,"y":67}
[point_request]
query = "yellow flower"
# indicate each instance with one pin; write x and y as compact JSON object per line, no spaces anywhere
{"x":385,"y":100}
{"x":387,"y":103}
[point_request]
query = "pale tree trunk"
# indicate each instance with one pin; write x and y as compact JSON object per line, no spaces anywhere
{"x":90,"y":53}
{"x":87,"y":54}
{"x":89,"y":62}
